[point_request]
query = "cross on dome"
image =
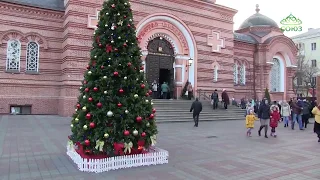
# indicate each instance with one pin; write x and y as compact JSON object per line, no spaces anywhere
{"x":257,"y":8}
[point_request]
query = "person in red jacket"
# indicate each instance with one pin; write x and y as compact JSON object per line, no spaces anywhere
{"x":274,"y":119}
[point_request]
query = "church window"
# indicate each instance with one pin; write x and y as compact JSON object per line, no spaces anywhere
{"x":32,"y":57}
{"x":13,"y":55}
{"x":275,"y":76}
{"x":242,"y":74}
{"x":215,"y":74}
{"x":235,"y":73}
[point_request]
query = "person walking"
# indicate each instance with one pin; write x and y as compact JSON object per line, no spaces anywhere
{"x":274,"y":120}
{"x":154,"y":89}
{"x":316,"y":129}
{"x":196,"y":107}
{"x":285,"y":112}
{"x":250,"y":119}
{"x":164,"y":90}
{"x":215,"y":99}
{"x":305,"y":113}
{"x":225,"y":99}
{"x":297,"y":114}
{"x":190,"y":91}
{"x":264,"y":116}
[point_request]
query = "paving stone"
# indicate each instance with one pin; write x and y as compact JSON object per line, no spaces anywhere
{"x":229,"y":155}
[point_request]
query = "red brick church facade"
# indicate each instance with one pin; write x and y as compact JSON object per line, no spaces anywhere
{"x":45,"y":47}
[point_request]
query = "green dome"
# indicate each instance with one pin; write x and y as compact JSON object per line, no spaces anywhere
{"x":258,"y":20}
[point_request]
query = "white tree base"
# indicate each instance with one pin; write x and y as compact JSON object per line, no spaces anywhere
{"x":153,"y":157}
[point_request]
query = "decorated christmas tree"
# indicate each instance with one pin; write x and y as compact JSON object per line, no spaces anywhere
{"x":114,"y":114}
{"x":267,"y":95}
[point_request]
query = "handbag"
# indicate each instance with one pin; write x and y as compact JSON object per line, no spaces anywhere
{"x":186,"y":93}
{"x":211,"y":102}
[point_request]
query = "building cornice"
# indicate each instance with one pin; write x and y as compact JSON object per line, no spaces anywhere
{"x":30,"y":10}
{"x":317,"y":35}
{"x":224,"y":17}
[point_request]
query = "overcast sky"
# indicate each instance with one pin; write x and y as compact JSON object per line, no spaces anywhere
{"x":306,"y":11}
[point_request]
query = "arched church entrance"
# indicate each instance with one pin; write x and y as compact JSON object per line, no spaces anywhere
{"x":159,"y":63}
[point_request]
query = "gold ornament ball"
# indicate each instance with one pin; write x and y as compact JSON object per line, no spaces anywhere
{"x":137,"y":79}
{"x":71,"y":125}
{"x":107,"y":13}
{"x":84,"y":108}
{"x":119,"y":37}
{"x":76,"y":120}
{"x":151,"y":103}
{"x":109,"y":65}
{"x":75,"y":110}
{"x":148,"y":124}
{"x":84,"y":96}
{"x":106,"y":135}
{"x":118,"y":14}
{"x":85,"y":127}
{"x":136,"y":96}
{"x":125,"y":78}
{"x":125,"y":4}
{"x":105,"y":92}
{"x":112,"y":41}
{"x":95,"y":57}
{"x":135,"y":132}
{"x":126,"y":111}
{"x":109,"y":58}
{"x":89,"y":72}
{"x":141,"y":71}
{"x":147,"y":100}
{"x":130,"y":20}
{"x":106,"y":25}
{"x":104,"y":77}
{"x":80,"y":88}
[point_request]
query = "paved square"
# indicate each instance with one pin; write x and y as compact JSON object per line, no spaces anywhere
{"x":34,"y":148}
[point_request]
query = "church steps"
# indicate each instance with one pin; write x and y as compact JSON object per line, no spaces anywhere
{"x":178,"y":111}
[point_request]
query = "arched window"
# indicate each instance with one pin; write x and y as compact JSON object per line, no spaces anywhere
{"x":215,"y":74}
{"x":275,"y":76}
{"x":242,"y":74}
{"x":235,"y":73}
{"x":13,"y":55}
{"x":32,"y":57}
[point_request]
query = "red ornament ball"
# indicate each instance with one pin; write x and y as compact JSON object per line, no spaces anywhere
{"x":115,"y":73}
{"x":141,"y":68}
{"x":151,"y":116}
{"x":139,"y":119}
{"x":115,"y":49}
{"x":113,"y":6}
{"x":129,"y":64}
{"x":121,"y":91}
{"x":125,"y":45}
{"x":86,"y":89}
{"x":88,"y":66}
{"x":95,"y":89}
{"x":129,"y":25}
{"x":84,"y":82}
{"x":90,"y":99}
{"x":119,"y":104}
{"x":92,"y":125}
{"x":142,"y":86}
{"x":124,"y":16}
{"x":87,"y":142}
{"x":78,"y":106}
{"x":147,"y":94}
{"x":88,"y":116}
{"x":100,"y":45}
{"x":154,"y":110}
{"x":143,"y":134}
{"x":99,"y":104}
{"x":101,"y":67}
{"x":69,"y":137}
{"x":87,"y":151}
{"x":126,"y":133}
{"x":150,"y":92}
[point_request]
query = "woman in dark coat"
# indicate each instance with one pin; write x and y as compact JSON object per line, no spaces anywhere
{"x":264,"y":116}
{"x":225,"y":98}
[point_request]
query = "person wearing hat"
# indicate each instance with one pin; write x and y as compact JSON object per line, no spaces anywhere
{"x":215,"y":99}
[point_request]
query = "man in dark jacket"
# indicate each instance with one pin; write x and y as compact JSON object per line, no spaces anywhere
{"x":264,"y":116}
{"x":305,"y":113}
{"x":215,"y":99}
{"x":196,"y":107}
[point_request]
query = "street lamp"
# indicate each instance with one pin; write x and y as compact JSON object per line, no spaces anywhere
{"x":190,"y":61}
